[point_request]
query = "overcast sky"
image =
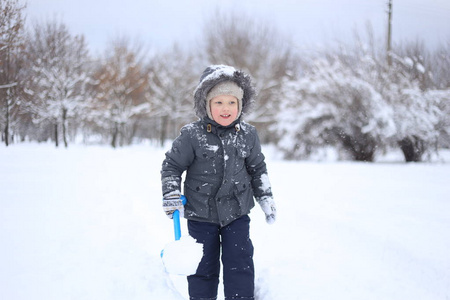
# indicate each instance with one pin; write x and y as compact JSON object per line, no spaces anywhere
{"x":160,"y":23}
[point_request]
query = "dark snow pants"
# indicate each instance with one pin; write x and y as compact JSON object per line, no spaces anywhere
{"x":237,"y":260}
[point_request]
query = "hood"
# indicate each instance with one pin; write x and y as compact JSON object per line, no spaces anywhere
{"x":219,"y":73}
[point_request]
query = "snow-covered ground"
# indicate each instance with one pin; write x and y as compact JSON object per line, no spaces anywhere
{"x":87,"y":223}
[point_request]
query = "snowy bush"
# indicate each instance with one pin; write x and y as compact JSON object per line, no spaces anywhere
{"x":332,"y":106}
{"x":356,"y":103}
{"x":417,"y":112}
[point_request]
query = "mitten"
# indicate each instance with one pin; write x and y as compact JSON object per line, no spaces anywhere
{"x":171,"y":203}
{"x":268,"y":206}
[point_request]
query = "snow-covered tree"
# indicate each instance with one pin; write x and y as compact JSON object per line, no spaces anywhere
{"x":11,"y":45}
{"x":171,"y":83}
{"x":440,"y":66}
{"x":406,"y":86}
{"x":58,"y":76}
{"x":442,"y":97}
{"x":120,"y":87}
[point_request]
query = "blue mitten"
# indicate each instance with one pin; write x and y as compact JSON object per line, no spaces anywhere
{"x":171,"y":203}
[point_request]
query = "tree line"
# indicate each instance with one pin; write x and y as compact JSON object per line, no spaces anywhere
{"x":345,"y":97}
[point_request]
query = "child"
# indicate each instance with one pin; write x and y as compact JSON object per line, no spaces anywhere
{"x":225,"y":170}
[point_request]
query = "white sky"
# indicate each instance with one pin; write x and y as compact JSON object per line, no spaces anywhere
{"x":160,"y":23}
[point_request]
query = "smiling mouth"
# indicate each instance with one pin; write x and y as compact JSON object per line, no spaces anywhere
{"x":225,"y":116}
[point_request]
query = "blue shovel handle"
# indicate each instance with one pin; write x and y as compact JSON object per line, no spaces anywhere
{"x":176,"y":220}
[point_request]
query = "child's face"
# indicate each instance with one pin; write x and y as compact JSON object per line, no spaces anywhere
{"x":224,"y":109}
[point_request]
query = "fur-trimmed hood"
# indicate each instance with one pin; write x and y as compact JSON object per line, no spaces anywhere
{"x":218,"y":73}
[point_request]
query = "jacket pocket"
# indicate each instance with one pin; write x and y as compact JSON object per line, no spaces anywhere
{"x":198,"y":186}
{"x":197,"y":194}
{"x":244,"y":194}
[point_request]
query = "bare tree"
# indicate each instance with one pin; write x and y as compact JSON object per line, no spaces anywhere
{"x":261,"y":50}
{"x":389,"y":35}
{"x":121,"y":83}
{"x":172,"y":81}
{"x":11,"y":46}
{"x":440,"y":66}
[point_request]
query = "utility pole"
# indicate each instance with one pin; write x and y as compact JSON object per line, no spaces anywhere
{"x":389,"y":34}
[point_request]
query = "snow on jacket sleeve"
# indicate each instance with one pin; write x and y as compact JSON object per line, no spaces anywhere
{"x":177,"y":160}
{"x":256,"y":168}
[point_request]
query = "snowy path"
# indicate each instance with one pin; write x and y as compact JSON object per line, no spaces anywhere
{"x":86,"y":223}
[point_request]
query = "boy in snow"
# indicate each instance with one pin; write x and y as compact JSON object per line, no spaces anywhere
{"x":225,"y":169}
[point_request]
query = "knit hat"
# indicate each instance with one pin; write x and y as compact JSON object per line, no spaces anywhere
{"x":229,"y":88}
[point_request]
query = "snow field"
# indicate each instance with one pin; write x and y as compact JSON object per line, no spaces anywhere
{"x":87,"y":223}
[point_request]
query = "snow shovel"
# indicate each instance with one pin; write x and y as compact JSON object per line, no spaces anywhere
{"x":183,"y":255}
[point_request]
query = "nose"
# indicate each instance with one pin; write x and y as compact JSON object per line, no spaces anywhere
{"x":226,"y":107}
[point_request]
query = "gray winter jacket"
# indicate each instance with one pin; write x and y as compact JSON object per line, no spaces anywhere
{"x":225,"y":169}
{"x":224,"y":166}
